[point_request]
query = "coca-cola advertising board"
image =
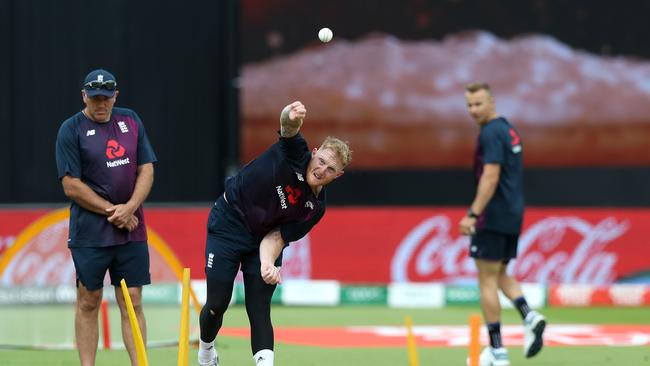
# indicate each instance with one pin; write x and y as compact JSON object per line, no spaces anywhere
{"x":367,"y":245}
{"x":590,"y":246}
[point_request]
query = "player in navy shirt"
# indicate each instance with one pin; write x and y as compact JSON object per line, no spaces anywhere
{"x":274,"y":200}
{"x":494,"y":221}
{"x":105,"y":164}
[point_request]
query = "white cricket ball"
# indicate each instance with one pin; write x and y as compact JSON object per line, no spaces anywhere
{"x":325,"y":35}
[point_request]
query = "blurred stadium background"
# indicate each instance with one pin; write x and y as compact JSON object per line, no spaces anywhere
{"x":209,"y":78}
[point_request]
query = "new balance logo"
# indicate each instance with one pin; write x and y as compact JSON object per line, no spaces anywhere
{"x":90,"y":133}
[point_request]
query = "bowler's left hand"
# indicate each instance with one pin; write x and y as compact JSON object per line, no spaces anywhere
{"x":467,"y":225}
{"x":270,"y":273}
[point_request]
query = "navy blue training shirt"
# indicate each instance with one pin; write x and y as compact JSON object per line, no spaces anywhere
{"x":105,"y":156}
{"x":500,"y":143}
{"x":272,"y":191}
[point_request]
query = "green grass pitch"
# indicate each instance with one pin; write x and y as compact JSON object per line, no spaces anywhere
{"x":54,"y":322}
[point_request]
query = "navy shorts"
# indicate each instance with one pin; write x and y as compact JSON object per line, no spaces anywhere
{"x":128,"y":261}
{"x":230,"y":245}
{"x":493,"y":245}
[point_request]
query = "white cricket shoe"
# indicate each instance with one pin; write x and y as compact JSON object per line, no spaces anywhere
{"x":494,"y":357}
{"x":214,"y":361}
{"x":534,"y":325}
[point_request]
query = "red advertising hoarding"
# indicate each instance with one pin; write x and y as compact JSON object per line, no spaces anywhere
{"x":595,"y":246}
{"x":375,"y":245}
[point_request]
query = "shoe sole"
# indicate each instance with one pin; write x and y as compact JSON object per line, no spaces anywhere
{"x":538,"y":343}
{"x":214,"y":362}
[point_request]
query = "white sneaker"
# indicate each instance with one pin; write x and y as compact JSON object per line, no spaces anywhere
{"x":534,"y":325}
{"x":214,"y":361}
{"x":264,"y":357}
{"x":494,"y":357}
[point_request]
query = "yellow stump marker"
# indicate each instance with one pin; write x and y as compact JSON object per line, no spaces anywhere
{"x":410,"y":341}
{"x":474,"y":344}
{"x":184,"y":337}
{"x":135,"y":328}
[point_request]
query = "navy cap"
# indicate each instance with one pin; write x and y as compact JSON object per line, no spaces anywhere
{"x":100,"y":82}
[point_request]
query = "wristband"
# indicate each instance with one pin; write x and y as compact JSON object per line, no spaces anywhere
{"x":471,"y":214}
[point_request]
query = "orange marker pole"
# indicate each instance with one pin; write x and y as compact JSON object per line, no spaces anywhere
{"x":474,"y":340}
{"x":106,"y":326}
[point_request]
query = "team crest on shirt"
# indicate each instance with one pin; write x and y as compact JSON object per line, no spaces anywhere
{"x":300,"y":177}
{"x":123,"y":127}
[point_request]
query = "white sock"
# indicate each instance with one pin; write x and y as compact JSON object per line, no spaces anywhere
{"x":205,"y":351}
{"x":263,"y":358}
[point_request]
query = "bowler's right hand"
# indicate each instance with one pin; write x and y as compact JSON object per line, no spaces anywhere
{"x":297,"y":111}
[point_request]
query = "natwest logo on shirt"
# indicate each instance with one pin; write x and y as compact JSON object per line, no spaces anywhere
{"x":282,"y":196}
{"x":114,"y":163}
{"x":515,"y":141}
{"x":288,"y":194}
{"x":114,"y":150}
{"x":292,"y":194}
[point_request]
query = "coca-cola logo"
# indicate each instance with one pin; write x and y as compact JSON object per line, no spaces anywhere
{"x":45,"y":260}
{"x":429,"y":252}
{"x":569,"y":250}
{"x":552,"y":250}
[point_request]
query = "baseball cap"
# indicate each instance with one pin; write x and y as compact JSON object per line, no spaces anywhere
{"x":100,"y":82}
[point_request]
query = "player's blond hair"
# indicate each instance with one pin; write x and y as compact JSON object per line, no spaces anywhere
{"x":474,"y":87}
{"x":340,"y":147}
